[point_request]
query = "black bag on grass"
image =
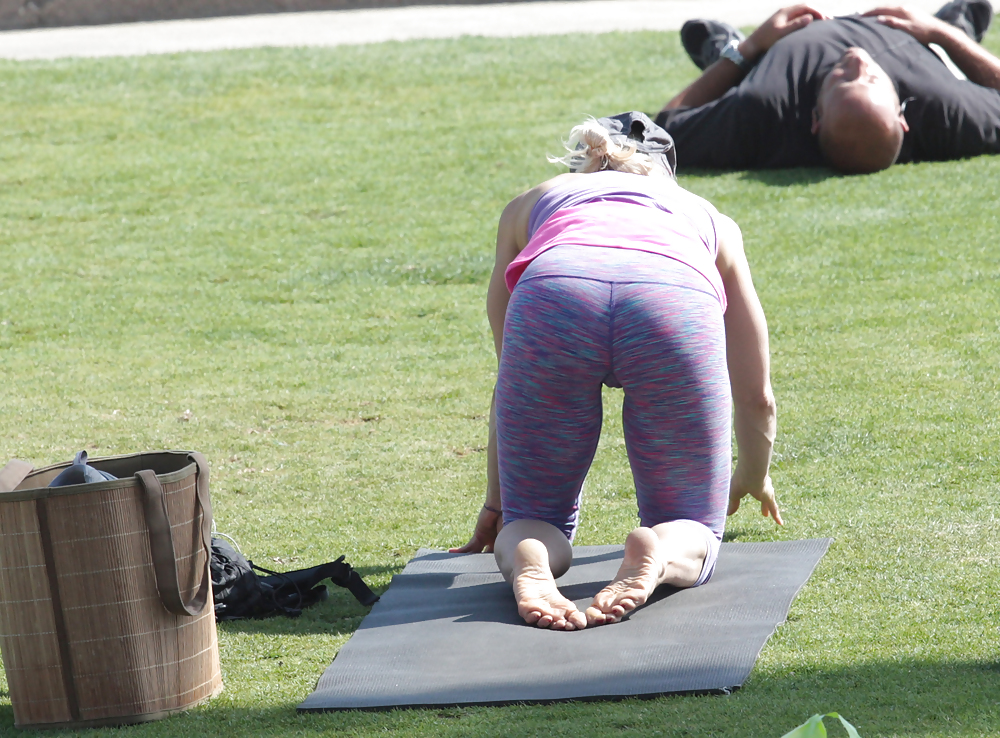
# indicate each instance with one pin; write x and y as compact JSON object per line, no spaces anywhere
{"x":240,"y":593}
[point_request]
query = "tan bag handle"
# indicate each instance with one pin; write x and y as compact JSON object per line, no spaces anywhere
{"x":161,"y":540}
{"x":13,"y":474}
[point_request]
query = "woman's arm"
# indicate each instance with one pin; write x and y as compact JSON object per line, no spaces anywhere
{"x":512,"y":237}
{"x":490,"y":520}
{"x":754,"y":409}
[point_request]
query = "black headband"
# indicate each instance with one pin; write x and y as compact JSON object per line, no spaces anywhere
{"x":645,"y":135}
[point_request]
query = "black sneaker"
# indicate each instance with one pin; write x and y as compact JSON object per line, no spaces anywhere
{"x":971,"y":16}
{"x":703,"y":40}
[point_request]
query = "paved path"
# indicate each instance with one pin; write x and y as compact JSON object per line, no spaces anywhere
{"x":338,"y":27}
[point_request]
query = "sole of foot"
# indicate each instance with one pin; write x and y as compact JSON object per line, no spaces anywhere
{"x":538,"y":598}
{"x":635,"y":581}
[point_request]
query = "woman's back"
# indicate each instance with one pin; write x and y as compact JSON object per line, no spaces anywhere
{"x":628,"y":211}
{"x":661,"y":193}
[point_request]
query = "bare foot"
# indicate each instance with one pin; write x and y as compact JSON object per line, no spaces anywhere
{"x":640,"y":572}
{"x":538,"y":598}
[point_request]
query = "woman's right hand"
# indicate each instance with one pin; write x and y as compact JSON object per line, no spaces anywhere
{"x":762,"y":492}
{"x":485,"y":535}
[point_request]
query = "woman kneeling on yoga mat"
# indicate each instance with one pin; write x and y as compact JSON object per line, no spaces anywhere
{"x":615,"y":275}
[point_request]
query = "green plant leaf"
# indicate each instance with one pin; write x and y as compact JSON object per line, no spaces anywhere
{"x":811,"y":728}
{"x":851,"y":730}
{"x":814,"y":727}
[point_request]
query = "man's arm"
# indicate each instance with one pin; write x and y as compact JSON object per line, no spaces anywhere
{"x":723,"y":74}
{"x":979,"y":65}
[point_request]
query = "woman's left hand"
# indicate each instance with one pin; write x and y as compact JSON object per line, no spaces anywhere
{"x":763,"y":493}
{"x":487,"y":527}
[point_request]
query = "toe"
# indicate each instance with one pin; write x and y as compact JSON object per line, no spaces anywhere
{"x":578,"y":620}
{"x":598,"y":617}
{"x":603,"y":601}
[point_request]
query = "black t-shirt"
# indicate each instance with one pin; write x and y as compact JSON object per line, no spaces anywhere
{"x":764,"y":121}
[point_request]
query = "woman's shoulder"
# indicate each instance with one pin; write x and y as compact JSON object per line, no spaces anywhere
{"x":518,"y":211}
{"x":528,"y":198}
{"x":560,"y":180}
{"x":677,"y":192}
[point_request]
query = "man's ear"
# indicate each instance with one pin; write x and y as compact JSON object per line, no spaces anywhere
{"x":815,"y":124}
{"x":902,"y":122}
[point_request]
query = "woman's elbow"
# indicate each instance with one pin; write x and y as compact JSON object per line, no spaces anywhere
{"x":760,"y":403}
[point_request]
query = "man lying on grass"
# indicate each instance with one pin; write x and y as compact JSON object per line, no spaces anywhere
{"x":616,"y":275}
{"x":857,"y":93}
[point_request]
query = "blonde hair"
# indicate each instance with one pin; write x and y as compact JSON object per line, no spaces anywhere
{"x":591,"y":149}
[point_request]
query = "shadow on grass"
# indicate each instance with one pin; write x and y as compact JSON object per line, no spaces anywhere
{"x":773,"y":177}
{"x":732,"y":534}
{"x":906,"y":697}
{"x":790,"y":177}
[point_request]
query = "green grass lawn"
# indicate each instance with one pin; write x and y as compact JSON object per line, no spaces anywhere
{"x":279,"y":258}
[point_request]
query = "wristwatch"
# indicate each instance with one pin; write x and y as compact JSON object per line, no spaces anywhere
{"x":731,"y":51}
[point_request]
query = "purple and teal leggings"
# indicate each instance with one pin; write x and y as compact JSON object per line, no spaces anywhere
{"x":583,"y":316}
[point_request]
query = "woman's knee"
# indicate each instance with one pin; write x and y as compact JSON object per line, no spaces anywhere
{"x":557,"y":546}
{"x":693,"y":548}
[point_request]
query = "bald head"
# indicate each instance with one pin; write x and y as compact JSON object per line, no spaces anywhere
{"x":858,"y":119}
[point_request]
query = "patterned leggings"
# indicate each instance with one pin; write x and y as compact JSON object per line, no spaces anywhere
{"x":583,"y":316}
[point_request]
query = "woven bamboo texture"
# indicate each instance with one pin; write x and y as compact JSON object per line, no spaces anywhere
{"x":84,"y":635}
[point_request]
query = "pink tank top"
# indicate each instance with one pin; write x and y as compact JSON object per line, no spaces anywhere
{"x":625,"y":211}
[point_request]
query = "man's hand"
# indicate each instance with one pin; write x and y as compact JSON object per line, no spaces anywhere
{"x":485,"y":535}
{"x":721,"y":76}
{"x":979,"y":65}
{"x":785,"y":21}
{"x":922,"y":26}
{"x":763,"y":493}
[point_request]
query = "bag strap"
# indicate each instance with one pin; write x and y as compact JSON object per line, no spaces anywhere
{"x":13,"y":474}
{"x":161,"y":541}
{"x":343,"y":575}
{"x":339,"y":572}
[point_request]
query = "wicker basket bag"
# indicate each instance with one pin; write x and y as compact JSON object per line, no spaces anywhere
{"x":106,"y":614}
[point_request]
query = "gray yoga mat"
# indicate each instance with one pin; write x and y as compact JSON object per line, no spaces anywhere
{"x":447,"y":633}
